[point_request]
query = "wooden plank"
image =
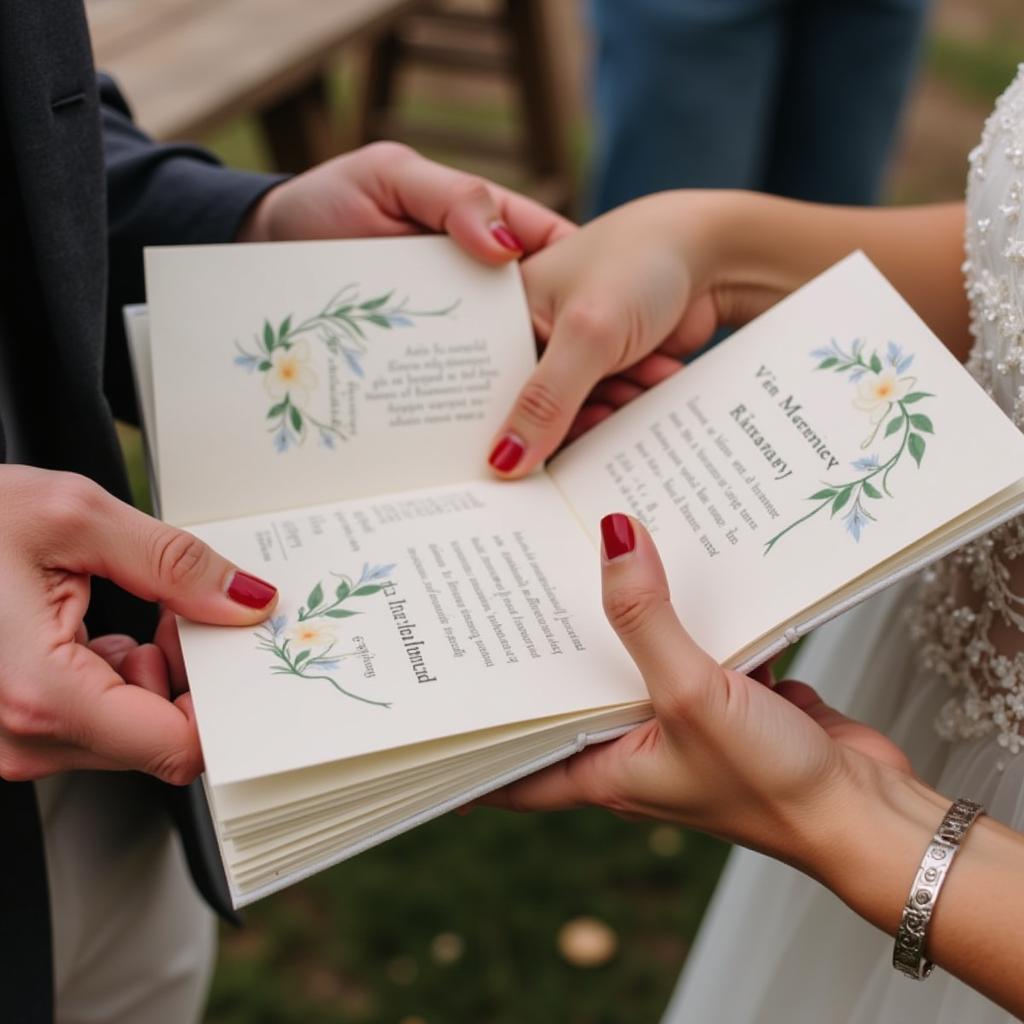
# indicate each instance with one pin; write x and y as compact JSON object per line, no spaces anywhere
{"x":188,"y":65}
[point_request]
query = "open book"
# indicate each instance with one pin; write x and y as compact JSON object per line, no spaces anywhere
{"x":319,"y":412}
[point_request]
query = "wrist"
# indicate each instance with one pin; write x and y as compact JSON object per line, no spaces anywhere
{"x":255,"y":226}
{"x":874,"y":847}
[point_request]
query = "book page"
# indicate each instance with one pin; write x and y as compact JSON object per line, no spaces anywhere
{"x":404,"y":618}
{"x":803,"y":451}
{"x":288,"y":374}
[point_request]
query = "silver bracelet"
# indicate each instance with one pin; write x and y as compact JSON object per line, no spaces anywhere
{"x":908,"y":953}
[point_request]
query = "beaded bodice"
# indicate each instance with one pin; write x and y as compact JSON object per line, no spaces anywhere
{"x":968,"y":615}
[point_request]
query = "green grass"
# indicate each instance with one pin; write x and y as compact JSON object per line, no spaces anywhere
{"x":355,"y":943}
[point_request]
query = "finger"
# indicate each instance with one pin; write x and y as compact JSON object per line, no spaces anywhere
{"x":570,"y":783}
{"x":474,"y":213}
{"x":94,"y":533}
{"x":168,"y":640}
{"x":146,"y":666}
{"x":615,"y":391}
{"x":589,"y":416}
{"x":679,"y":675}
{"x":583,"y":349}
{"x":112,"y":648}
{"x":128,"y":725}
{"x":651,"y":370}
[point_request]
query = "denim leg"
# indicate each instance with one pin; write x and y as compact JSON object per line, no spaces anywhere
{"x":684,"y":94}
{"x":847,"y":69}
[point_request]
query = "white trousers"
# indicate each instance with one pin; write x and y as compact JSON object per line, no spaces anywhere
{"x":132,"y":941}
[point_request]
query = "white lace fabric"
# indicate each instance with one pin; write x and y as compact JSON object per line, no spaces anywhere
{"x":968,"y":615}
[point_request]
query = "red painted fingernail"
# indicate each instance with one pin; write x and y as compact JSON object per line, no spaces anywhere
{"x":617,"y":534}
{"x":505,"y":237}
{"x":507,"y":453}
{"x":250,"y":590}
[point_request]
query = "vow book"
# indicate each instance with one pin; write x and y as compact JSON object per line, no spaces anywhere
{"x":320,"y":413}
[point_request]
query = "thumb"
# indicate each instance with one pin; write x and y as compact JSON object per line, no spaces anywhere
{"x":106,"y":537}
{"x":679,"y":675}
{"x":584,"y":347}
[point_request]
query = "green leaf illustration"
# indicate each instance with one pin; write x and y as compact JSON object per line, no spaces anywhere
{"x":301,"y":657}
{"x":828,"y":492}
{"x":380,"y":321}
{"x":342,"y":592}
{"x":827,"y":364}
{"x":922,"y":423}
{"x":841,"y":499}
{"x":339,"y":613}
{"x":376,"y":303}
{"x":916,"y":446}
{"x":894,"y":425}
{"x":265,"y":365}
{"x":276,"y":410}
{"x":870,"y":491}
{"x":916,"y":396}
{"x":286,"y":325}
{"x":341,"y":310}
{"x":316,"y":596}
{"x":268,"y":336}
{"x":296,"y":419}
{"x":876,"y":363}
{"x":366,"y":591}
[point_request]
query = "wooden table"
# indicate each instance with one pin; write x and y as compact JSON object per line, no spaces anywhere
{"x":188,"y":66}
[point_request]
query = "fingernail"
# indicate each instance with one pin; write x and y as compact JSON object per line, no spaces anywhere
{"x":507,"y":453}
{"x":250,"y":590}
{"x":505,"y":237}
{"x":617,"y":534}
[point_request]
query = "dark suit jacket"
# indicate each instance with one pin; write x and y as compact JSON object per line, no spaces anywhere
{"x":81,"y":191}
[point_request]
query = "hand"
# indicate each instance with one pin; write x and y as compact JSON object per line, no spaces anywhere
{"x":768,"y":768}
{"x":389,"y":189}
{"x":619,"y":303}
{"x":66,"y":703}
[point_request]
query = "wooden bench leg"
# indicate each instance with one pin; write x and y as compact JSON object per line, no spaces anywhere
{"x":298,"y":128}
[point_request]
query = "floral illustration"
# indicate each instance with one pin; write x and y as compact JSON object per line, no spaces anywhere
{"x":282,"y":356}
{"x":308,"y":649}
{"x":885,"y":393}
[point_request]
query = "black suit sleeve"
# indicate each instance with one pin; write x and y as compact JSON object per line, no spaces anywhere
{"x":157,"y":195}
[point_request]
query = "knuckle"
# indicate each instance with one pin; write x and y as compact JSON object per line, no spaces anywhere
{"x":179,"y":558}
{"x":591,"y":323}
{"x":68,"y":501}
{"x":388,"y":152}
{"x":539,"y":405}
{"x":470,"y":190}
{"x":628,"y":608}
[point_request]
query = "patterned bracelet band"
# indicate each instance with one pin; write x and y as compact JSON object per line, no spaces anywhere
{"x":908,"y":953}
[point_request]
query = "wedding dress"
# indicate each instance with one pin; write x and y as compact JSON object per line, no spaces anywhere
{"x":938,"y":664}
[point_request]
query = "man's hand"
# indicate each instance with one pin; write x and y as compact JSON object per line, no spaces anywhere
{"x":389,"y":189}
{"x":66,"y":703}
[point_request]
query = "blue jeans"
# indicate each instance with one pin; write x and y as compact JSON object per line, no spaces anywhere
{"x":796,"y":97}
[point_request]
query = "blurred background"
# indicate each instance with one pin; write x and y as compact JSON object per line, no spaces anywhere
{"x":491,"y":919}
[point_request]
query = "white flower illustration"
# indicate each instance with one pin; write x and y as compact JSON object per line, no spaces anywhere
{"x":877,"y":391}
{"x":290,"y":372}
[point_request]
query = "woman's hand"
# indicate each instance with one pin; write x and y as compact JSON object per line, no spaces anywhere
{"x":66,"y":702}
{"x":389,"y":189}
{"x":773,"y":769}
{"x":617,"y":304}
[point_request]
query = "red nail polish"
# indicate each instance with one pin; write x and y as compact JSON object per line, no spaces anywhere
{"x":505,"y":237}
{"x":250,"y":590}
{"x":617,"y":534}
{"x":507,"y":453}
